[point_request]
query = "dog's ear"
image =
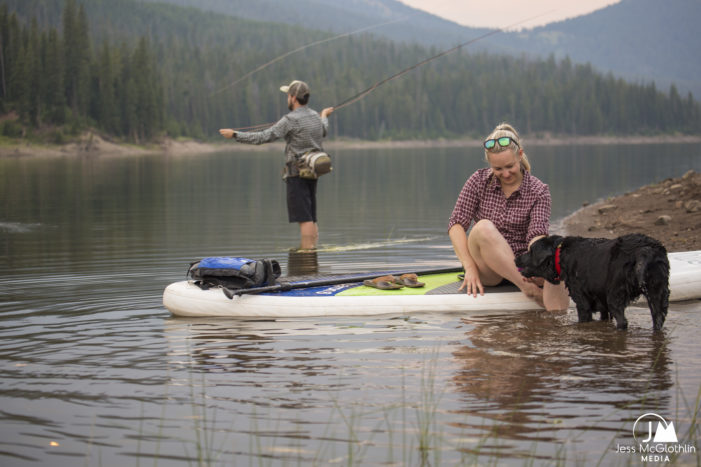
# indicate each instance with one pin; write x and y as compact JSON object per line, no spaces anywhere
{"x":553,"y":241}
{"x":541,"y":251}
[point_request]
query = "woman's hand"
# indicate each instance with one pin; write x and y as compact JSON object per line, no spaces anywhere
{"x":472,"y":283}
{"x":326,"y":112}
{"x":539,"y":281}
{"x":227,"y":133}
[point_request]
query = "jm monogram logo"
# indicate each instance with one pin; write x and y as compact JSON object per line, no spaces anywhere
{"x":663,"y":433}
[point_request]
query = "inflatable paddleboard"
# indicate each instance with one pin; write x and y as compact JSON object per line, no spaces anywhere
{"x":440,"y":294}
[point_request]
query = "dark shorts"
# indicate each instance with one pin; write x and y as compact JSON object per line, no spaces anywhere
{"x":301,"y":199}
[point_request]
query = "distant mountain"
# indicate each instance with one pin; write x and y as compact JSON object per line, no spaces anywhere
{"x":387,"y":18}
{"x":639,"y":40}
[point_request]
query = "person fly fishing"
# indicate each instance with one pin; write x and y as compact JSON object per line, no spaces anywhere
{"x":303,"y":130}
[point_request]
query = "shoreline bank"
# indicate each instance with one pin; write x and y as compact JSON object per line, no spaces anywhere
{"x":92,"y":144}
{"x":669,"y":211}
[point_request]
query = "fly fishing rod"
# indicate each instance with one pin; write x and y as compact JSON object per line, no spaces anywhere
{"x":367,"y":91}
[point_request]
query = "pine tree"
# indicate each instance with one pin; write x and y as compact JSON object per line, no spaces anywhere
{"x":4,"y":26}
{"x":106,"y":110}
{"x":146,"y":89}
{"x":77,"y":53}
{"x":34,"y":100}
{"x":55,"y":98}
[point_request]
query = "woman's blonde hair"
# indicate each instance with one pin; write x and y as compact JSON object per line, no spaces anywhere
{"x":501,"y":130}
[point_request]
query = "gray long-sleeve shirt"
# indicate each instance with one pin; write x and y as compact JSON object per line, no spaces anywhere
{"x":303,"y":130}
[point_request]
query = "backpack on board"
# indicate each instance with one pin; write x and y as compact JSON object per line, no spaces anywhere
{"x":233,"y":272}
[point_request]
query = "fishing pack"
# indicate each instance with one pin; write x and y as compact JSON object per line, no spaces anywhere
{"x":314,"y":164}
{"x":233,"y":272}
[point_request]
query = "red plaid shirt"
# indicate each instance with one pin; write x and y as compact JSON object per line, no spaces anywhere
{"x":520,"y":218}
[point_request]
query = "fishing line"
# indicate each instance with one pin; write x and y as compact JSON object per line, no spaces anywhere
{"x":299,"y":49}
{"x":367,"y":91}
{"x":364,"y":93}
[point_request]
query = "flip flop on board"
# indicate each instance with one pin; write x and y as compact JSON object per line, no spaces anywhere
{"x":383,"y":283}
{"x":408,"y":280}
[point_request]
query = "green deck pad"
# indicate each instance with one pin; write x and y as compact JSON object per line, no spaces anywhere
{"x":432,"y":282}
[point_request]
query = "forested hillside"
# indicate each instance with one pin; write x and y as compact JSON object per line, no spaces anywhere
{"x":51,"y":79}
{"x":141,"y":70}
{"x":638,"y":40}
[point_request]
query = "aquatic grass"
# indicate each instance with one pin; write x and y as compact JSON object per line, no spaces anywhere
{"x":429,"y":432}
{"x":691,"y":436}
{"x":256,"y":446}
{"x":204,"y":428}
{"x":356,"y":448}
{"x":417,"y":424}
{"x":426,"y":440}
{"x":203,"y":441}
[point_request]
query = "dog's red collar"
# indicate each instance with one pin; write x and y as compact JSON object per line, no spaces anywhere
{"x":558,"y":270}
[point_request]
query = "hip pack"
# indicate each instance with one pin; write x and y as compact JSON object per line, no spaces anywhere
{"x":314,"y":164}
{"x":233,"y":272}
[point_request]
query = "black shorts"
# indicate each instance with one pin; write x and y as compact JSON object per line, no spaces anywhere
{"x":301,"y":199}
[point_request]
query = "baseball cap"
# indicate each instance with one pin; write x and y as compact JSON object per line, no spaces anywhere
{"x":296,"y":88}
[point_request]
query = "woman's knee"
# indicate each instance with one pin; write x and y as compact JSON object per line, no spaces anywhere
{"x":484,"y":229}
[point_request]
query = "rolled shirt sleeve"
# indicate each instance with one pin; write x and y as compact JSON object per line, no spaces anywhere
{"x":275,"y":132}
{"x":303,"y":130}
{"x":467,"y":203}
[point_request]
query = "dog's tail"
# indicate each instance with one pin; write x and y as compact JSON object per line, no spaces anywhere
{"x":652,"y":274}
{"x":648,"y":264}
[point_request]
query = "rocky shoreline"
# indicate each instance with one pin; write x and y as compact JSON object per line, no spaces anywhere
{"x":669,"y":211}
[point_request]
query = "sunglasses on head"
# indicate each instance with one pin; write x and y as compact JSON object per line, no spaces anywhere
{"x":503,"y":142}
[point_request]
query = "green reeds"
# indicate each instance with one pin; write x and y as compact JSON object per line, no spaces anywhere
{"x":410,"y":430}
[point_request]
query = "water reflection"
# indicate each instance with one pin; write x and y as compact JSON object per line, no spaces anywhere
{"x":302,"y":262}
{"x":525,"y":377}
{"x":89,"y":357}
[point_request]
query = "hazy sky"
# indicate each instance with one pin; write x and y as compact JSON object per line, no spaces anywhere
{"x":502,"y":13}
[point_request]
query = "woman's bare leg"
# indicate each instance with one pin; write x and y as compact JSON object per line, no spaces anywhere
{"x":495,"y":260}
{"x":555,"y":297}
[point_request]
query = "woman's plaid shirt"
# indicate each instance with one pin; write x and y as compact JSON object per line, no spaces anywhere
{"x":520,"y":218}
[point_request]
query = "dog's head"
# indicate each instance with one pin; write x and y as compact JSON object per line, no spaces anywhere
{"x":540,"y":259}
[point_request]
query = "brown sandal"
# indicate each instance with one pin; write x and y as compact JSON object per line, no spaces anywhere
{"x":383,"y":283}
{"x":408,"y":280}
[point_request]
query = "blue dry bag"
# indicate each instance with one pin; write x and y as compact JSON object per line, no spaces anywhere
{"x":233,"y":272}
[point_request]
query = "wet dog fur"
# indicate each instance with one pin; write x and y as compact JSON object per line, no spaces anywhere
{"x":604,"y":275}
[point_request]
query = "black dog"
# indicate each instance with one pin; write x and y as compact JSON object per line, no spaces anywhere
{"x":604,"y":275}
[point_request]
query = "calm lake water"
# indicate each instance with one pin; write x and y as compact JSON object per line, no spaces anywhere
{"x":95,"y":371}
